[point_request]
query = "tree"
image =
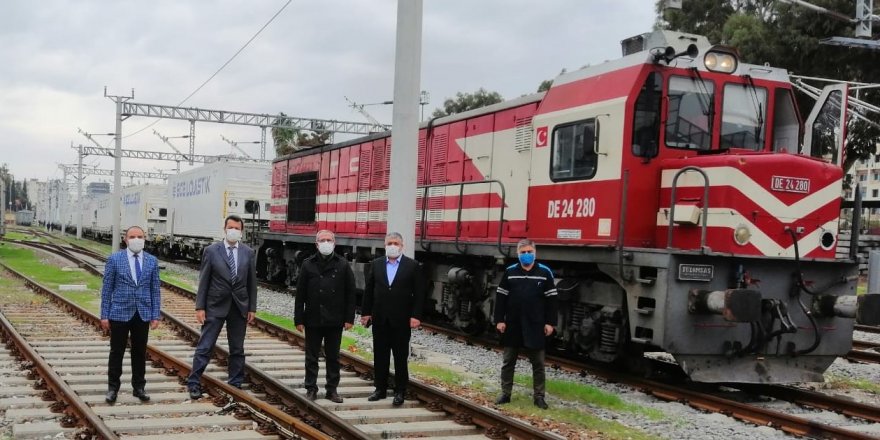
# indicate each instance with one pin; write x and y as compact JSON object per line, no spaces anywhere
{"x":787,"y":36}
{"x":547,"y":83}
{"x":467,"y":101}
{"x":288,"y":139}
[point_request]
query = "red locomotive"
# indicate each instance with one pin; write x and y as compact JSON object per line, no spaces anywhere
{"x":668,"y":190}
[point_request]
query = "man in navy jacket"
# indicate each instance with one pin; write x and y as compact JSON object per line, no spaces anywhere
{"x":525,"y":314}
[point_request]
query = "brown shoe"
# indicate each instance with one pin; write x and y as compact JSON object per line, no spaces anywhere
{"x":312,"y":395}
{"x":334,"y":397}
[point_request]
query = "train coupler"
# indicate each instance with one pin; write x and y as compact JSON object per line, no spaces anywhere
{"x":735,"y":305}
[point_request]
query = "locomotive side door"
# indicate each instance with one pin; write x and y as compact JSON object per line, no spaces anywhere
{"x":825,"y":129}
{"x":575,"y":188}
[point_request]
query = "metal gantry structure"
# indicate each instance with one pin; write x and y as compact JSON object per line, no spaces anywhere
{"x":126,"y":109}
{"x":263,"y":121}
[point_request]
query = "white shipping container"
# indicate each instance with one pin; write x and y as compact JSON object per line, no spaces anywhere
{"x":100,"y":214}
{"x":201,"y":198}
{"x":145,"y":206}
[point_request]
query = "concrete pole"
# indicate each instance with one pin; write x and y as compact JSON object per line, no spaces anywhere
{"x":79,"y":194}
{"x":405,"y":123}
{"x":117,"y":181}
{"x":873,"y":271}
{"x":63,"y":204}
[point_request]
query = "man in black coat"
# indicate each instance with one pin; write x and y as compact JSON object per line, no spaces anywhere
{"x":393,"y":298}
{"x":525,"y":314}
{"x":325,"y":295}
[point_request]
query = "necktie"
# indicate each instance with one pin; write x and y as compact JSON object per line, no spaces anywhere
{"x":230,"y":260}
{"x":137,"y":268}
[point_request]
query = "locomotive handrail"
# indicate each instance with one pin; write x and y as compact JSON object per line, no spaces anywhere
{"x":705,"y":213}
{"x":424,"y":229}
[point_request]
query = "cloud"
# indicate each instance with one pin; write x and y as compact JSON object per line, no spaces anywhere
{"x":59,"y":54}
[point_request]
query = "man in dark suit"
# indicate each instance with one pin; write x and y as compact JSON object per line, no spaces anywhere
{"x":227,"y":294}
{"x":393,"y":298}
{"x":324,"y":306}
{"x":129,"y":306}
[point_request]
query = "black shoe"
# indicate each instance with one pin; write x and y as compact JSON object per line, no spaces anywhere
{"x":502,"y":399}
{"x":540,"y":403}
{"x":141,"y":394}
{"x":111,"y":396}
{"x":312,"y":395}
{"x":195,"y":393}
{"x":333,"y":396}
{"x":398,"y":399}
{"x":377,"y":395}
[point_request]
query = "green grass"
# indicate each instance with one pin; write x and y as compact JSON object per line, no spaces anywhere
{"x":280,"y":321}
{"x":361,"y":331}
{"x":589,"y":395}
{"x":13,"y":235}
{"x":445,"y":376}
{"x":847,"y":383}
{"x":175,"y":280}
{"x":25,"y":261}
{"x":284,"y":322}
{"x":28,"y":263}
{"x":522,"y":405}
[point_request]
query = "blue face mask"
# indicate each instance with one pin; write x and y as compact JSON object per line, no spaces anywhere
{"x":527,"y":259}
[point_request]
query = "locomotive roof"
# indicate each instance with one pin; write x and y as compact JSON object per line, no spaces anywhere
{"x":639,"y":53}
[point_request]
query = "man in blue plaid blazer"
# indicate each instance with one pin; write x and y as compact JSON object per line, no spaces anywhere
{"x":130,"y":306}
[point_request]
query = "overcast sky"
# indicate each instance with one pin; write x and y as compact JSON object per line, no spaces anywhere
{"x":56,"y":57}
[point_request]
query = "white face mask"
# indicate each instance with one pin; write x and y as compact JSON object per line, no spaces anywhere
{"x":326,"y":247}
{"x":233,"y":235}
{"x":136,"y":244}
{"x":392,"y":251}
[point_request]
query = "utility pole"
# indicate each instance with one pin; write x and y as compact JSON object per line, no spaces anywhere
{"x":63,"y":206}
{"x":79,"y":193}
{"x":115,"y":206}
{"x":405,"y":121}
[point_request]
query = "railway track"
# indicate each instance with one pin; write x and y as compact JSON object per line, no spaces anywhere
{"x":60,"y":345}
{"x":275,"y":373}
{"x":713,"y":398}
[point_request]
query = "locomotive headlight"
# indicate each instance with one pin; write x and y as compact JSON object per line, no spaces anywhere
{"x":742,"y":235}
{"x":722,"y":62}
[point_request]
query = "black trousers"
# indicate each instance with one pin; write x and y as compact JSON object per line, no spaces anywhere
{"x":119,"y":335}
{"x":388,"y":339}
{"x":332,"y":339}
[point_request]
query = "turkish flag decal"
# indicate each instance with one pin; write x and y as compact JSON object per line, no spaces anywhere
{"x":541,"y":137}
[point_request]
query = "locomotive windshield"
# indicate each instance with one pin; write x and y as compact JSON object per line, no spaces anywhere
{"x":742,"y":116}
{"x":689,"y":119}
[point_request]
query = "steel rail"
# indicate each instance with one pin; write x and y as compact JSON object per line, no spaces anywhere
{"x":182,"y":370}
{"x":701,"y":400}
{"x":464,"y":411}
{"x":276,"y":391}
{"x":867,"y":328}
{"x":77,"y":410}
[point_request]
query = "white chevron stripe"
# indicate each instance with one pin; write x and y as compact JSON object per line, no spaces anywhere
{"x":727,"y":218}
{"x":757,"y":193}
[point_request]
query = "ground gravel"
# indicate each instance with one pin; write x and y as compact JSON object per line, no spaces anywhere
{"x":679,"y":421}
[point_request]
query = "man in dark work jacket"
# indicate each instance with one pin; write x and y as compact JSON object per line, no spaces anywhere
{"x":525,"y":314}
{"x":324,"y":306}
{"x":393,"y":298}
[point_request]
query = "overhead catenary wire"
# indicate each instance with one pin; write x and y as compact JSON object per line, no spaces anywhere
{"x":242,"y":48}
